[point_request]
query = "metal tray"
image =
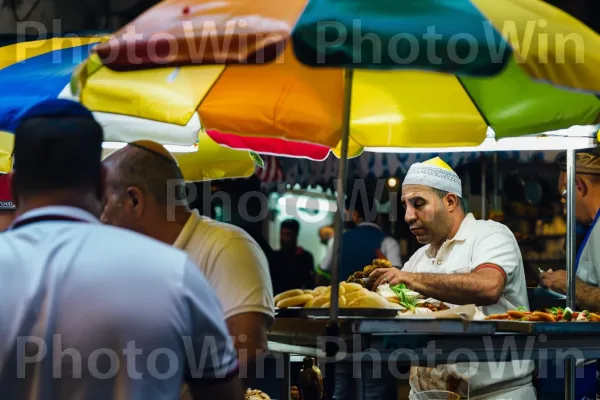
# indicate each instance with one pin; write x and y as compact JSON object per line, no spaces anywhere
{"x":299,"y":312}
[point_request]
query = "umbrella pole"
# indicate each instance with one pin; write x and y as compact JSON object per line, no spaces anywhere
{"x":341,"y":191}
{"x":483,"y":189}
{"x":571,"y":272}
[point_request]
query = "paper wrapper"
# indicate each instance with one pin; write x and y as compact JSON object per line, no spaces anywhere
{"x":464,"y":313}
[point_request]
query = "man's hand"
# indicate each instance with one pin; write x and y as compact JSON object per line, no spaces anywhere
{"x":393,"y":276}
{"x":554,"y":280}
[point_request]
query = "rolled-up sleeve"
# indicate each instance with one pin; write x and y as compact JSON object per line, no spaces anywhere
{"x":497,"y":249}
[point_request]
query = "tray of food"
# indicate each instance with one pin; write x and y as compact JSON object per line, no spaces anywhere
{"x":354,"y":301}
{"x":554,"y":314}
{"x":548,"y":320}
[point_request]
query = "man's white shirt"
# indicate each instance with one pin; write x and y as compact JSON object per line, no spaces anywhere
{"x":118,"y":314}
{"x":481,"y":244}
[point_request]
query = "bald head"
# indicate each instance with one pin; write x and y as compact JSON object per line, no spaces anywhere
{"x":146,"y":165}
{"x":139,"y":191}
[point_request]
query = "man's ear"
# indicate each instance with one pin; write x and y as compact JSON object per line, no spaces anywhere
{"x":136,"y":200}
{"x":581,"y":186}
{"x":452,"y":201}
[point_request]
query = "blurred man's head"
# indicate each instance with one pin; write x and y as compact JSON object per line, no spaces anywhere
{"x":587,"y":184}
{"x":288,"y":234}
{"x":57,"y":157}
{"x":431,"y":196}
{"x":326,"y":233}
{"x":137,"y":187}
{"x":360,"y":208}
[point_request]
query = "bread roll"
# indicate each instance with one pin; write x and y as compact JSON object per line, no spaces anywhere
{"x":341,"y":303}
{"x":295,"y":301}
{"x":319,"y":290}
{"x":350,"y":297}
{"x":310,"y":303}
{"x":351,"y":287}
{"x":319,"y":301}
{"x":342,"y":290}
{"x":287,"y":294}
{"x":370,"y":300}
{"x":308,"y":291}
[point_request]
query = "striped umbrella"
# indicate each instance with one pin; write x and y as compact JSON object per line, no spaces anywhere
{"x":457,"y":36}
{"x":37,"y":70}
{"x":279,"y":107}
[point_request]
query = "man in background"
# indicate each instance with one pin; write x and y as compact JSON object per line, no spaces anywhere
{"x":364,"y":241}
{"x":75,"y":289}
{"x":8,"y":210}
{"x":138,"y":199}
{"x":294,"y":266}
{"x":587,"y":212}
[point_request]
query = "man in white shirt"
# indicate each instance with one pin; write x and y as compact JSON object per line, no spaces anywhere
{"x":464,"y":261}
{"x":233,"y":263}
{"x":89,"y":311}
{"x":587,"y":211}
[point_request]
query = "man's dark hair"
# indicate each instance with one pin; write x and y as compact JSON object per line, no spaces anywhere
{"x":149,"y":171}
{"x":292,"y":225}
{"x":363,"y":207}
{"x":58,"y":146}
{"x":442,"y":193}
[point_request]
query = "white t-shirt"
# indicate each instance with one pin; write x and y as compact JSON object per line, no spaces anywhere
{"x":480,"y":243}
{"x":588,"y":269}
{"x":233,"y":263}
{"x":116,"y":315}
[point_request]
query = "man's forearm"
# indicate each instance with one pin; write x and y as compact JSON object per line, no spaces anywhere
{"x":456,"y":289}
{"x":588,"y":297}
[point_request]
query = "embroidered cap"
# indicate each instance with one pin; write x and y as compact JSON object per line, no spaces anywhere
{"x":434,"y":173}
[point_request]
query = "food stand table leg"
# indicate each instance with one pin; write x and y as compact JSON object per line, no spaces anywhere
{"x":571,"y":272}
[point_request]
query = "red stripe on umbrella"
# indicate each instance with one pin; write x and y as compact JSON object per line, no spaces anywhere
{"x":271,"y":146}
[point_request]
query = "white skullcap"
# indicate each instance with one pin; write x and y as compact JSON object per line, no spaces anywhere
{"x":434,"y":173}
